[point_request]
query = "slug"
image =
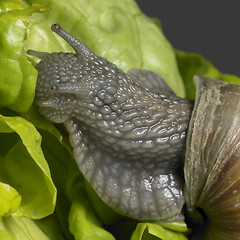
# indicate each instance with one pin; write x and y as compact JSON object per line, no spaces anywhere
{"x":127,"y":130}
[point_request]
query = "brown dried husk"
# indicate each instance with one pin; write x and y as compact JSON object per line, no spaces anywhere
{"x":212,"y":165}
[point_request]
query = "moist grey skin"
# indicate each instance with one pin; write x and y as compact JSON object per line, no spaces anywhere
{"x":127,"y":130}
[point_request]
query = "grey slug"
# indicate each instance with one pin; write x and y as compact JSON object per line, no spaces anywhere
{"x":127,"y":130}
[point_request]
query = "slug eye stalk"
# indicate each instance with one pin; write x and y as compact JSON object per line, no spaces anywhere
{"x":79,"y":47}
{"x":37,"y":54}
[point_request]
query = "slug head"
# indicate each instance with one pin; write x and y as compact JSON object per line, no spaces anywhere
{"x":110,"y":104}
{"x":64,"y":78}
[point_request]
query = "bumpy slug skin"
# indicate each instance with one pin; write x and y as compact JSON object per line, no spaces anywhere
{"x":127,"y":130}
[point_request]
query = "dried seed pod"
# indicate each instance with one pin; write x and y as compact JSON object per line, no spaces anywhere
{"x":212,"y":164}
{"x":128,"y":136}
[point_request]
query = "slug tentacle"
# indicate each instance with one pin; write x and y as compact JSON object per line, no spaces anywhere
{"x":37,"y":54}
{"x":80,"y":48}
{"x":127,"y":138}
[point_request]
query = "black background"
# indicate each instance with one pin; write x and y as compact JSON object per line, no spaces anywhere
{"x":211,"y":28}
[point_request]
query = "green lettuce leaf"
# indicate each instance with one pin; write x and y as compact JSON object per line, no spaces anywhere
{"x":82,"y":214}
{"x":191,"y":64}
{"x":18,"y":76}
{"x":10,"y":200}
{"x":23,"y":228}
{"x":147,"y":231}
{"x":66,"y":176}
{"x":25,"y":168}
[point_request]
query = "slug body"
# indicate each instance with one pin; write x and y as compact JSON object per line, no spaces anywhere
{"x":127,"y":129}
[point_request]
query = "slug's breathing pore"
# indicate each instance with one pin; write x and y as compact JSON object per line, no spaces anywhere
{"x":127,"y":135}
